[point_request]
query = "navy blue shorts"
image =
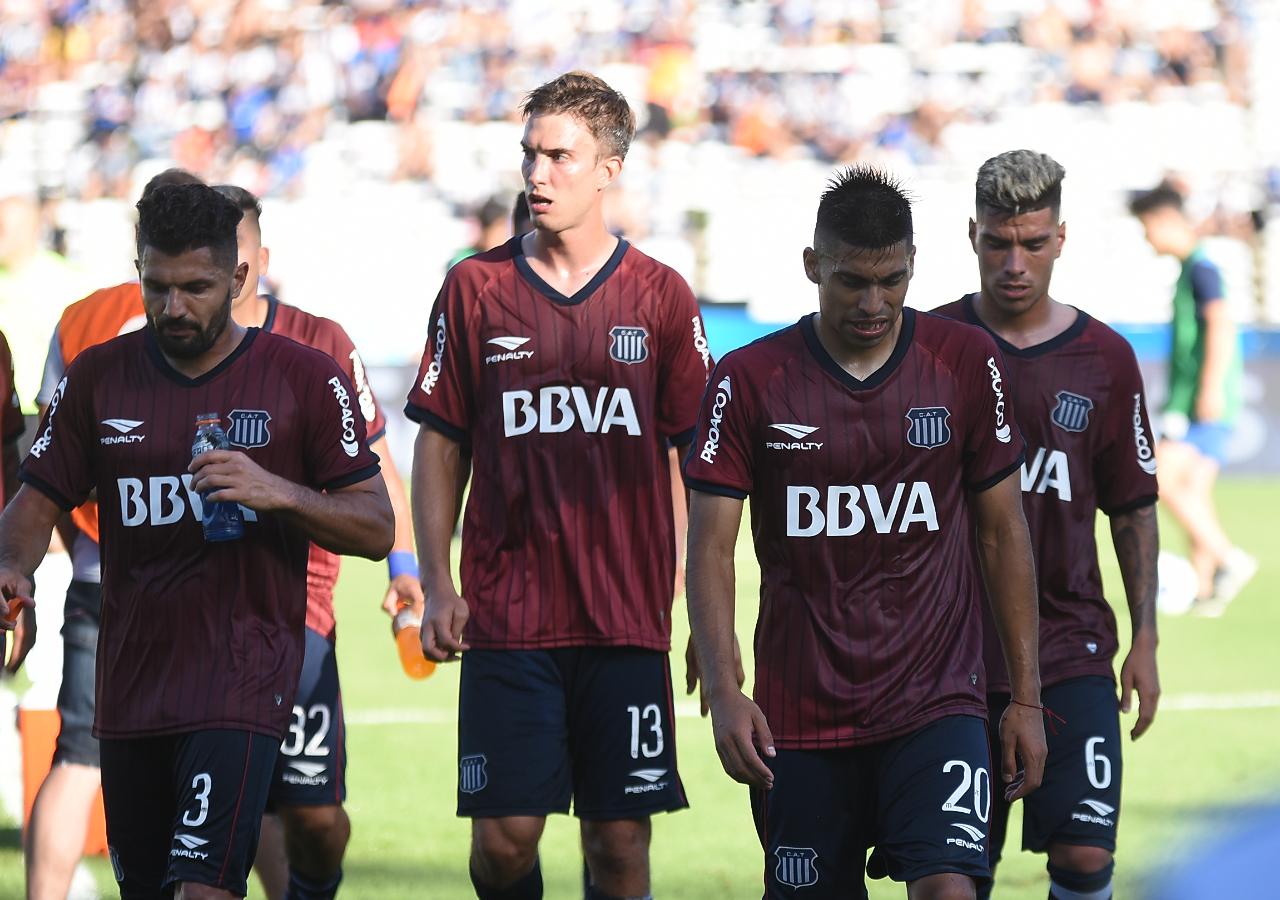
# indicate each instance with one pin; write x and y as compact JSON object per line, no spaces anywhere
{"x":921,"y":800}
{"x":76,"y":743}
{"x":538,"y":728}
{"x":312,"y":767}
{"x":1079,"y":800}
{"x":185,"y":808}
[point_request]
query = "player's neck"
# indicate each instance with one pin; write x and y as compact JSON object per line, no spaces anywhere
{"x":1042,"y":322}
{"x":223,"y":347}
{"x":859,"y":362}
{"x":567,"y":260}
{"x":251,"y":312}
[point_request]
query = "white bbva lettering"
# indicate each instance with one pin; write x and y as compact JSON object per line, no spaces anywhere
{"x":559,"y":408}
{"x":843,"y":516}
{"x":160,"y":501}
{"x":1045,"y":470}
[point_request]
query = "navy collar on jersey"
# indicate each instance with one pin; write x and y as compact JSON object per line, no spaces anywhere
{"x":876,"y":378}
{"x":535,"y":280}
{"x":157,"y":357}
{"x":272,"y":306}
{"x":1072,"y":331}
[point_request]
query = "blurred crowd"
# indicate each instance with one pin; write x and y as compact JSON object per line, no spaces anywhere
{"x":240,"y":89}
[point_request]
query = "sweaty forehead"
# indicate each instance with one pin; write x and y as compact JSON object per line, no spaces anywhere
{"x":1021,"y":224}
{"x":189,"y":265}
{"x":549,"y":131}
{"x":865,"y":262}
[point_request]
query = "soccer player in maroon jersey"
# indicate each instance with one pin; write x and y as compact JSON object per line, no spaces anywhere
{"x":302,"y":845}
{"x":201,"y":643}
{"x":568,"y":363}
{"x":881,"y":457}
{"x":1077,"y":392}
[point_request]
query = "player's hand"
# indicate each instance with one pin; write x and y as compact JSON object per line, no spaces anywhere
{"x":1139,"y":673}
{"x":693,"y":673}
{"x":404,"y":590}
{"x":1210,"y":406}
{"x":742,"y":739}
{"x":232,"y":477}
{"x":13,"y":585}
{"x":444,"y":617}
{"x":1023,"y":748}
{"x":24,"y":637}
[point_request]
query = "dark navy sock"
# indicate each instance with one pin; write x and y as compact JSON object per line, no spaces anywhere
{"x":527,"y":888}
{"x":302,"y":887}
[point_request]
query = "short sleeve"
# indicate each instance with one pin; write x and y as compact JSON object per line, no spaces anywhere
{"x":54,"y":368}
{"x":12,"y":424}
{"x":1124,"y":467}
{"x":60,"y":460}
{"x":684,"y":363}
{"x":720,"y":460}
{"x":337,"y":447}
{"x":442,"y":397}
{"x":993,"y":443}
{"x":352,"y":364}
{"x":1206,"y":283}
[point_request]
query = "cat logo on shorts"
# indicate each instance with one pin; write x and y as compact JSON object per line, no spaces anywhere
{"x":472,"y":776}
{"x":796,"y":866}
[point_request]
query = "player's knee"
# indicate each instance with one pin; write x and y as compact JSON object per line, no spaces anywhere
{"x":948,"y":886}
{"x":315,"y":836}
{"x":617,"y":847}
{"x":502,"y":849}
{"x":1080,"y":873}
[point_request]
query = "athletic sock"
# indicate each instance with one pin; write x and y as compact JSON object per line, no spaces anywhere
{"x":528,"y":887}
{"x":1065,"y":884}
{"x":303,"y":887}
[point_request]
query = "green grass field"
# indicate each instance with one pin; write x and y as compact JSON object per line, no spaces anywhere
{"x":1179,"y":779}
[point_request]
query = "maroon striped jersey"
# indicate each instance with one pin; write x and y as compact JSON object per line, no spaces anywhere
{"x":569,"y":405}
{"x":1081,"y":405}
{"x":196,"y":635}
{"x":869,"y":583}
{"x":329,"y":337}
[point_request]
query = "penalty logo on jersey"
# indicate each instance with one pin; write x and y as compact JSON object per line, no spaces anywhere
{"x":1072,"y":412}
{"x":796,"y":866}
{"x":249,"y":428}
{"x":628,"y":344}
{"x":927,"y":426}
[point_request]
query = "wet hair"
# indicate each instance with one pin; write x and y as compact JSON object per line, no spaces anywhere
{"x":175,"y":218}
{"x":1162,"y":196}
{"x":589,"y":99}
{"x":170,"y":176}
{"x":864,"y":207}
{"x":1020,"y":181}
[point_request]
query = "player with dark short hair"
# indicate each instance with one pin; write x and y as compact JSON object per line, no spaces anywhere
{"x":881,"y":455}
{"x":567,"y":363}
{"x":201,"y":643}
{"x":1077,"y":392}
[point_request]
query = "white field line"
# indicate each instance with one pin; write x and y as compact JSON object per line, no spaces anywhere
{"x":689,"y":709}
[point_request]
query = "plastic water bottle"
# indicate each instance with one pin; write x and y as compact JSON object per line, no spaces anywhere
{"x":406,"y":627}
{"x":221,"y":519}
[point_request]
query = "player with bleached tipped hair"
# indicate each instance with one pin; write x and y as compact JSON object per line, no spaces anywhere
{"x":881,"y":457}
{"x":1077,"y":393}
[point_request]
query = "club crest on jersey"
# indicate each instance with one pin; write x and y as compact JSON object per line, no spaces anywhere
{"x":927,"y":426}
{"x":797,"y":866}
{"x":249,"y":428}
{"x":472,"y":777}
{"x":1072,"y":412}
{"x":628,"y":344}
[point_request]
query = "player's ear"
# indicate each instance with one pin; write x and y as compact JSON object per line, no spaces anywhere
{"x":238,"y":278}
{"x":610,"y":168}
{"x":264,"y":261}
{"x":1062,"y":238}
{"x":973,"y":235}
{"x":811,"y":265}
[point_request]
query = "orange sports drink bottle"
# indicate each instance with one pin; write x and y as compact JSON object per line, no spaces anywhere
{"x":15,"y":607}
{"x":406,"y":628}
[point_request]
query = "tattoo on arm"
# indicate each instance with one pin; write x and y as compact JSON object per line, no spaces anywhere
{"x":1137,"y":542}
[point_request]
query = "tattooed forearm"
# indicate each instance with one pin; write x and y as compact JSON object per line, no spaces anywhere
{"x":1137,"y":542}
